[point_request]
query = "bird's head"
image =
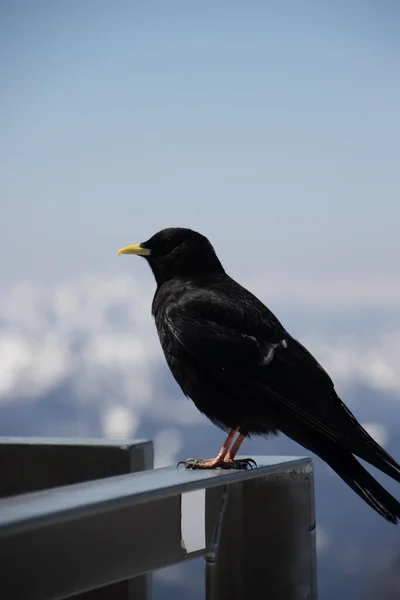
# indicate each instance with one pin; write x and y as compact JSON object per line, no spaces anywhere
{"x":177,"y":252}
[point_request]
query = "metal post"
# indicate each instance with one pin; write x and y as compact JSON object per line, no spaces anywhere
{"x":32,"y":464}
{"x":266,"y":544}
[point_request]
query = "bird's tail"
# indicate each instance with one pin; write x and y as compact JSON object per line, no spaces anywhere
{"x":362,"y":482}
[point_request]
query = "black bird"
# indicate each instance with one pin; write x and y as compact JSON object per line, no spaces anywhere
{"x":246,"y":373}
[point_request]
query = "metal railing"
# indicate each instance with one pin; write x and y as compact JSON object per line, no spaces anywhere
{"x":255,"y":528}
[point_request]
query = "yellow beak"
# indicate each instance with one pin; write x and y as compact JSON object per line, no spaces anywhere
{"x":134,"y":249}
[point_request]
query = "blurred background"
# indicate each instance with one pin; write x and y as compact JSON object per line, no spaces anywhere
{"x":271,"y":127}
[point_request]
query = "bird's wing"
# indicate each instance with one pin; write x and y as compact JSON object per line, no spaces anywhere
{"x":216,"y":331}
{"x":221,"y":332}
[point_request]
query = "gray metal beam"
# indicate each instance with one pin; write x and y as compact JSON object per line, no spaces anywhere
{"x":62,"y":541}
{"x":38,"y":463}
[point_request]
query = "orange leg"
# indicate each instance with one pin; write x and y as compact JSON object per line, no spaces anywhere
{"x":225,"y":458}
{"x":226,"y":445}
{"x":233,"y":451}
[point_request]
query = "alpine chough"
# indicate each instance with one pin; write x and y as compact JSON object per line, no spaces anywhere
{"x":246,"y":373}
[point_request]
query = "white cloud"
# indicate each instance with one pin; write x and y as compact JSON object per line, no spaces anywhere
{"x":30,"y":367}
{"x":378,"y":432}
{"x":119,"y":422}
{"x":375,"y":362}
{"x":98,"y":336}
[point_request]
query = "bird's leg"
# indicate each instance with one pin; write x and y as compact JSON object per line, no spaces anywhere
{"x":225,"y":458}
{"x":211,"y":463}
{"x":237,"y":463}
{"x":226,"y":445}
{"x":233,"y":451}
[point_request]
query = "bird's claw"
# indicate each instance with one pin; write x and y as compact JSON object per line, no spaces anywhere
{"x":243,"y":463}
{"x":199,"y":463}
{"x":238,"y":463}
{"x":184,"y":462}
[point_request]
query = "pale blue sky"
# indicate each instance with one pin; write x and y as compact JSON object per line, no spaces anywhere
{"x":272,"y":127}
